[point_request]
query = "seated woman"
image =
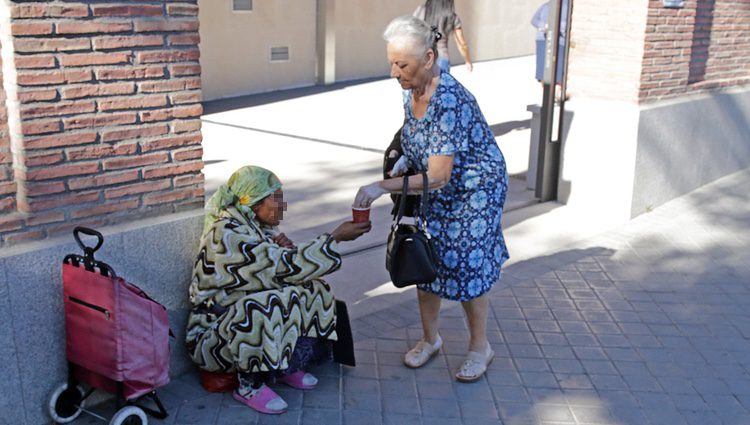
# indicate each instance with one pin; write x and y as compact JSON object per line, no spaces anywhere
{"x":259,"y":305}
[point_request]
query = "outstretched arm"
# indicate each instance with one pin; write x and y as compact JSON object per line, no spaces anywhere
{"x":463,"y":48}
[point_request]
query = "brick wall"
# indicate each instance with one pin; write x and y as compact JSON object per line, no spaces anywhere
{"x":606,"y":48}
{"x":702,"y":47}
{"x":108,"y":106}
{"x":7,"y":184}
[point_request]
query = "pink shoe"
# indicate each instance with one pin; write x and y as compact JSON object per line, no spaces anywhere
{"x":300,"y":380}
{"x":264,"y":400}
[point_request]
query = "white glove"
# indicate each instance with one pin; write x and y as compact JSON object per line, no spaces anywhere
{"x":400,"y":167}
{"x":367,"y":194}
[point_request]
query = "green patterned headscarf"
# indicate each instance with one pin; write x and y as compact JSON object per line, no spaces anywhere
{"x":245,"y":188}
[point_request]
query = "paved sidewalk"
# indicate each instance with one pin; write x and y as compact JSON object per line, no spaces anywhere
{"x":645,"y":324}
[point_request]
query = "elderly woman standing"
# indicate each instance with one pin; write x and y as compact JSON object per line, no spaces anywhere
{"x":446,"y":135}
{"x":259,"y":305}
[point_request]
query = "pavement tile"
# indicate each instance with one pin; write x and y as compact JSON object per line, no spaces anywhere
{"x":400,"y":404}
{"x":291,"y":417}
{"x":319,"y":417}
{"x":478,"y":409}
{"x":558,"y":352}
{"x":368,"y":402}
{"x":546,"y":338}
{"x":566,"y":366}
{"x":321,"y":400}
{"x":354,"y":417}
{"x":437,"y":408}
{"x":401,"y":419}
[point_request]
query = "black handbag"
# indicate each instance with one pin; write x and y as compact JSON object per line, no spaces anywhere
{"x":410,"y":256}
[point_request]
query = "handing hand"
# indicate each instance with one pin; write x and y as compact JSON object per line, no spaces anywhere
{"x":349,"y":231}
{"x":282,"y":240}
{"x":400,"y":167}
{"x":367,"y":194}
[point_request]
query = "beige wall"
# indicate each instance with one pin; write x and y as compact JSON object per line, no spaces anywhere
{"x":235,"y":47}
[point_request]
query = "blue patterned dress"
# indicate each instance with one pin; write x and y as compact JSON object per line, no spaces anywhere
{"x":464,"y":216}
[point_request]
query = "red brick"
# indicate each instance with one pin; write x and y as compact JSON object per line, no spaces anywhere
{"x":170,"y":113}
{"x":136,"y":132}
{"x":29,"y":128}
{"x":35,"y":61}
{"x":171,"y":142}
{"x":100,"y":120}
{"x":130,"y":73}
{"x":58,"y":108}
{"x":30,"y":28}
{"x":78,"y":92}
{"x":171,"y":196}
{"x":7,"y":188}
{"x":86,"y":59}
{"x":173,"y":170}
{"x":10,"y":222}
{"x":185,"y":126}
{"x":43,"y":159}
{"x":184,"y":39}
{"x":189,"y":180}
{"x":45,"y":218}
{"x":46,"y":203}
{"x":51,"y":44}
{"x":127,"y":10}
{"x":166,"y":25}
{"x":59,"y":140}
{"x":79,"y":27}
{"x":132,"y":103}
{"x":119,"y":42}
{"x":135,"y":161}
{"x":42,"y":189}
{"x":169,"y":85}
{"x":30,"y":235}
{"x":29,"y":96}
{"x":188,"y":154}
{"x":180,"y":70}
{"x":103,"y":180}
{"x":108,"y":208}
{"x":40,"y":78}
{"x":101,"y":151}
{"x":7,"y":204}
{"x":158,"y":56}
{"x":47,"y":10}
{"x":182,"y":9}
{"x":62,"y":171}
{"x":138,"y":188}
{"x":193,"y":96}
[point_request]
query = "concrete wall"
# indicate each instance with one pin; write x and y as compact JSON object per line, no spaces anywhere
{"x":686,"y":144}
{"x":155,"y":254}
{"x":234,"y":47}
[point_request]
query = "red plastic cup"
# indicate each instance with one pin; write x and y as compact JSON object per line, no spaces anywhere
{"x":360,"y":215}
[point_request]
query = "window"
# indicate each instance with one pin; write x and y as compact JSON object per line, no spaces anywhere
{"x":280,"y":54}
{"x":242,"y":5}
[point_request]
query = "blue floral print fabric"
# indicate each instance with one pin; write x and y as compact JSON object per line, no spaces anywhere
{"x":465,"y":215}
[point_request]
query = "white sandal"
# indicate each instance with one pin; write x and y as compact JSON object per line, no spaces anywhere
{"x":422,"y":353}
{"x":475,"y":365}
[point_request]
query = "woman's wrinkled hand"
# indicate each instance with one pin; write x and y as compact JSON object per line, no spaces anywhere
{"x":367,"y":194}
{"x":283,"y":241}
{"x":349,"y":231}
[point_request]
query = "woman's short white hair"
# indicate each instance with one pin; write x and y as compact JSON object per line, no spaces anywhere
{"x":412,"y":31}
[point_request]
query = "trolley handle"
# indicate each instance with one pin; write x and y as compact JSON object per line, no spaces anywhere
{"x":88,"y":251}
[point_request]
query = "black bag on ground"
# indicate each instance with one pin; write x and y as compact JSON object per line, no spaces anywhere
{"x":410,"y":256}
{"x":343,"y":348}
{"x":393,"y":154}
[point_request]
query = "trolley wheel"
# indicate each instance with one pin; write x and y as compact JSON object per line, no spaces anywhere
{"x":129,"y":415}
{"x":65,"y":403}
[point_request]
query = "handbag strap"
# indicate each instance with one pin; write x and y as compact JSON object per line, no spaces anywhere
{"x":405,"y":192}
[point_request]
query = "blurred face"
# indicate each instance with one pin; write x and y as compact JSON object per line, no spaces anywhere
{"x":409,"y":68}
{"x":271,"y":209}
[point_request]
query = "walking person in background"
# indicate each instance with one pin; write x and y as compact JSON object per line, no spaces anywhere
{"x":442,"y":15}
{"x":540,"y":22}
{"x":446,"y":135}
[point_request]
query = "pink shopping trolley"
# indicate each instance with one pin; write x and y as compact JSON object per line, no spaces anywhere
{"x":117,"y":340}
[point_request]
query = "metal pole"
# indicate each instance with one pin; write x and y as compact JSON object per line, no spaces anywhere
{"x":548,"y":163}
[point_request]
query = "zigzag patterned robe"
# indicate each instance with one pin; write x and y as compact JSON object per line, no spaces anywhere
{"x":252,"y":298}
